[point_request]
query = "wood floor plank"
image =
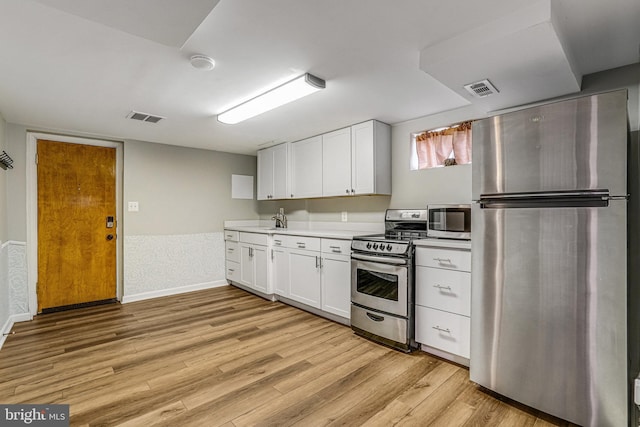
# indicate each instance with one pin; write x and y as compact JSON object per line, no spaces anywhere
{"x":225,"y":357}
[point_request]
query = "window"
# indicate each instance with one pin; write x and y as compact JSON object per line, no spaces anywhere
{"x":441,"y":147}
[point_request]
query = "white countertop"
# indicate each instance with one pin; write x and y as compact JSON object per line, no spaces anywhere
{"x":443,"y":243}
{"x":328,"y":234}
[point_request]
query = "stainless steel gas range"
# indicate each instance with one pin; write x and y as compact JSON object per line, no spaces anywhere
{"x":382,"y":280}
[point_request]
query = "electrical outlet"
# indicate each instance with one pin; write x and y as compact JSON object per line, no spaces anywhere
{"x":133,"y":206}
{"x":344,"y":217}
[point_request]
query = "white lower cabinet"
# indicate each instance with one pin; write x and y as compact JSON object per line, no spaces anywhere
{"x":253,"y":266}
{"x":304,"y":277}
{"x":254,"y":263}
{"x":336,"y":277}
{"x":443,"y":330}
{"x":443,"y":301}
{"x":280,"y":270}
{"x":313,"y":271}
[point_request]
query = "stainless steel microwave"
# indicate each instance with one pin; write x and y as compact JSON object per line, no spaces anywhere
{"x":449,"y":221}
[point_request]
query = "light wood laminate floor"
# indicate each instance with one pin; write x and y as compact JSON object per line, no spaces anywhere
{"x":226,"y":357}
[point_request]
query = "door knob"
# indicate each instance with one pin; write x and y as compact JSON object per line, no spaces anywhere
{"x":109,"y":236}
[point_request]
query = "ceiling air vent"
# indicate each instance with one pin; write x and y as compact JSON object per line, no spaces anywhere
{"x":481,"y":89}
{"x":144,"y":117}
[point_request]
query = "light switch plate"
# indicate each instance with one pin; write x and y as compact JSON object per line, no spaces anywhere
{"x":133,"y":207}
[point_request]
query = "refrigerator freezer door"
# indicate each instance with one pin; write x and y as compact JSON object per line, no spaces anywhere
{"x":548,"y":309}
{"x":578,"y":144}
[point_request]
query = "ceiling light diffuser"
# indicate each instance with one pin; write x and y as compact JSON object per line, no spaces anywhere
{"x":294,"y":89}
{"x":202,"y":62}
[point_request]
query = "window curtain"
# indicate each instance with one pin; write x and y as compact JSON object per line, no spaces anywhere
{"x":433,"y":148}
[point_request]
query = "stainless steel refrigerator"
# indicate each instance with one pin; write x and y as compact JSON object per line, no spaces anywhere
{"x":549,"y":258}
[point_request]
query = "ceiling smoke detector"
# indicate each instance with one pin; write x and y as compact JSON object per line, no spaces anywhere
{"x":144,"y":117}
{"x":202,"y":62}
{"x":481,"y":89}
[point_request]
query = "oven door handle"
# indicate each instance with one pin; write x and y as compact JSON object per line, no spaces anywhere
{"x":375,"y":317}
{"x":380,"y":259}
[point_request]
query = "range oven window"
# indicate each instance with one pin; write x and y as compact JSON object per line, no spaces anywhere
{"x":376,"y":284}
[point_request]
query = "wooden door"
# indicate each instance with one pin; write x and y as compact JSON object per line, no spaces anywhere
{"x":76,"y":247}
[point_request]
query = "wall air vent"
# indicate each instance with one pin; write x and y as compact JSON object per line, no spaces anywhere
{"x":144,"y":117}
{"x":481,"y":89}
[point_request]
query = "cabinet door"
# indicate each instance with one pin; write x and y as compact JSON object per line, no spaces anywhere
{"x":281,"y":172}
{"x":304,"y":277}
{"x":280,"y":261}
{"x":306,"y":168}
{"x":362,"y":158}
{"x":261,"y":269}
{"x":265,"y":174}
{"x":336,"y":163}
{"x":246,"y":265}
{"x":336,"y":285}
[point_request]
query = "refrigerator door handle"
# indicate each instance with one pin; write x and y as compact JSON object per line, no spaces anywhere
{"x":560,"y":199}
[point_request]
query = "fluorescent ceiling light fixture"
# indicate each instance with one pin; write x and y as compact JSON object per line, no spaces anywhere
{"x":294,"y":89}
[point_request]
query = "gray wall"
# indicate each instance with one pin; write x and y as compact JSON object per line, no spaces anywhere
{"x":182,"y":190}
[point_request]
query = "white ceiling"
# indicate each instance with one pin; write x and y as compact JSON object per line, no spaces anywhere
{"x":77,"y":66}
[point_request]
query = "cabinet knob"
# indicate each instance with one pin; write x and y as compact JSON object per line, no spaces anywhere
{"x":347,"y":191}
{"x":353,"y":191}
{"x":292,"y":195}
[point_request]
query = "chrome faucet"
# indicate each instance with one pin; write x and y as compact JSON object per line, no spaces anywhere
{"x":281,"y":219}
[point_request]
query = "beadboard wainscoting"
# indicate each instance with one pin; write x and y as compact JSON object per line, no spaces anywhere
{"x":156,"y":266}
{"x":14,"y":306}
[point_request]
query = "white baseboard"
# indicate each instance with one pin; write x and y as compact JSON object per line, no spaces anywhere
{"x":172,"y":291}
{"x":6,"y":328}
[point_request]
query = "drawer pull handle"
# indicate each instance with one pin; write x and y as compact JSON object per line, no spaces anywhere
{"x":277,"y":242}
{"x":438,"y":328}
{"x":230,"y":249}
{"x":448,"y":288}
{"x":301,"y":245}
{"x":335,"y":249}
{"x":374,"y":317}
{"x":443,"y":260}
{"x":231,"y":270}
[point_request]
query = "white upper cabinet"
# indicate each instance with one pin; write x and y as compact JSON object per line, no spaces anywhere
{"x":371,"y":158}
{"x":346,"y":162}
{"x":273,"y":178}
{"x":306,"y":168}
{"x":336,"y":163}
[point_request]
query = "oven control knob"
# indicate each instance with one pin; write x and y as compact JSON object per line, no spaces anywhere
{"x":369,"y":245}
{"x":389,"y":247}
{"x":375,"y":246}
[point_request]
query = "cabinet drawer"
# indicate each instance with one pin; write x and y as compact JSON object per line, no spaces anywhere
{"x":231,"y":235}
{"x":232,"y":272}
{"x":302,"y":242}
{"x":446,"y":290}
{"x":232,"y":251}
{"x":335,"y":246}
{"x":254,"y":238}
{"x":280,"y":241}
{"x":451,"y":259}
{"x":444,"y":331}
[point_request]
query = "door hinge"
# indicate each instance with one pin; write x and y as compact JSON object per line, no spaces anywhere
{"x":36,"y":158}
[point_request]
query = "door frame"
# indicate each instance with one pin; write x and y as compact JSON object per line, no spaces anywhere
{"x":32,"y":207}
